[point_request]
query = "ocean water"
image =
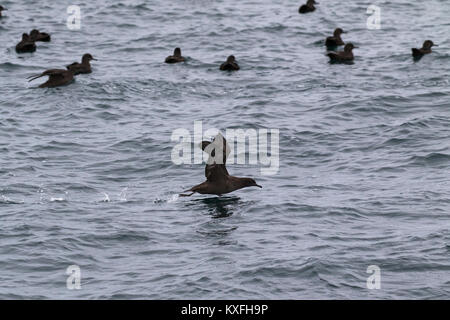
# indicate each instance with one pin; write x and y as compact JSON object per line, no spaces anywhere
{"x":87,"y":179}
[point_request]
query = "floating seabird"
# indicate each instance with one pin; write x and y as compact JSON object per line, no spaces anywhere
{"x":83,"y":67}
{"x":176,"y":57}
{"x":218,"y":181}
{"x":342,"y":56}
{"x":230,"y":64}
{"x":335,"y":40}
{"x":26,"y":44}
{"x":36,"y":35}
{"x":56,"y":78}
{"x":426,"y":48}
{"x":308,"y":7}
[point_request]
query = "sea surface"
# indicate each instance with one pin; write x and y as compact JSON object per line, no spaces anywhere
{"x":86,"y":170}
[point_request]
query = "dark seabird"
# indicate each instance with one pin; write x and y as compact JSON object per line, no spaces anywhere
{"x":2,"y":9}
{"x":342,"y":56}
{"x":83,"y":67}
{"x":176,"y":57}
{"x":308,"y":7}
{"x":36,"y":35}
{"x":335,"y":40}
{"x":26,"y":45}
{"x":230,"y":64}
{"x":426,"y":48}
{"x":56,"y":78}
{"x":218,"y":181}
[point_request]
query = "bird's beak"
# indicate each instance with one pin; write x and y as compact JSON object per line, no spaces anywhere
{"x":355,"y":47}
{"x":94,"y":59}
{"x":257,"y":185}
{"x":435,"y":45}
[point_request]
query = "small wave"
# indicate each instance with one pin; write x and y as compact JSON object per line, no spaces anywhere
{"x":431,"y":159}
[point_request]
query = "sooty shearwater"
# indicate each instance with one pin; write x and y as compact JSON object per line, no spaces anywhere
{"x":308,"y":7}
{"x":218,"y":181}
{"x":36,"y":35}
{"x":342,"y":56}
{"x":230,"y":64}
{"x":56,"y":78}
{"x":2,"y":9}
{"x":83,"y":67}
{"x":335,"y":40}
{"x":177,"y":57}
{"x":26,"y":44}
{"x":426,"y":48}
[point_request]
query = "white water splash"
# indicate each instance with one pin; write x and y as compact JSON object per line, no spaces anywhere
{"x":173,"y":198}
{"x":106,"y":198}
{"x":123,"y":195}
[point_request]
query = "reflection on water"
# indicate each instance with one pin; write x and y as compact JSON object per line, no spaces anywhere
{"x":215,"y":229}
{"x":219,"y":207}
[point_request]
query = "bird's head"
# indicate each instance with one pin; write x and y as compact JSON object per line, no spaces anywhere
{"x":34,"y":33}
{"x":87,"y":57}
{"x":428,"y":44}
{"x":231,"y":59}
{"x":349,"y":47}
{"x":338,"y":31}
{"x":249,"y":182}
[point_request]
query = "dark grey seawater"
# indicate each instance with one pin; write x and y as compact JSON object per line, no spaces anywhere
{"x":86,"y":176}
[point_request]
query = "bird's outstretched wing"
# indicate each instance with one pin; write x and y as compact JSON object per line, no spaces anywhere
{"x":52,"y":73}
{"x":218,"y":151}
{"x":215,"y":172}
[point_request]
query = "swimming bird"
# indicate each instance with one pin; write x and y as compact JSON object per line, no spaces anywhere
{"x":342,"y":56}
{"x":26,"y":44}
{"x":2,"y":9}
{"x":230,"y":64}
{"x":335,"y":40}
{"x":36,"y":35}
{"x":176,"y":57}
{"x":426,"y":48}
{"x":83,"y":67}
{"x":218,"y":181}
{"x":56,"y":78}
{"x":308,"y":7}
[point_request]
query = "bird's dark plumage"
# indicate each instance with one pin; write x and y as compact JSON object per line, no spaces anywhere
{"x":36,"y":35}
{"x":335,"y":40}
{"x":308,"y":7}
{"x":176,"y":57}
{"x":218,"y":180}
{"x":230,"y":64}
{"x":83,"y":67}
{"x":426,"y":48}
{"x":342,"y":56}
{"x":56,"y":78}
{"x":26,"y":44}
